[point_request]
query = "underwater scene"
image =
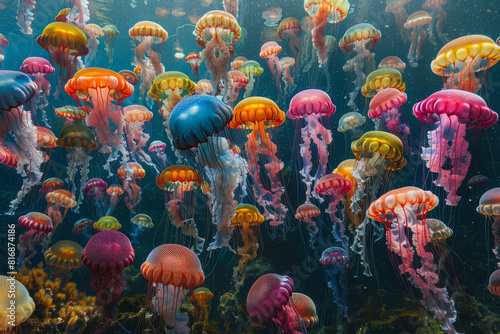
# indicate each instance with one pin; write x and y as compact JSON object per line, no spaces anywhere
{"x":249,"y":166}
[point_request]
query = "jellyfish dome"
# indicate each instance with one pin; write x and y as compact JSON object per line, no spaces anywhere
{"x":142,"y":220}
{"x":489,"y":206}
{"x":494,"y":283}
{"x":335,"y":259}
{"x":64,"y":254}
{"x":107,"y":223}
{"x":24,"y":305}
{"x":306,"y":309}
{"x":350,"y":121}
{"x":382,"y":79}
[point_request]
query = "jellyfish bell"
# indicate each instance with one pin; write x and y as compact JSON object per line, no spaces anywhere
{"x":64,"y":254}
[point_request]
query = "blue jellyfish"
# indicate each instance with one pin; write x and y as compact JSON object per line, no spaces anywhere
{"x":335,"y":261}
{"x":17,"y":88}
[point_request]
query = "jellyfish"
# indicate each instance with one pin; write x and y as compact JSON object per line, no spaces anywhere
{"x":287,"y":65}
{"x":290,"y":29}
{"x":416,"y":21}
{"x":64,"y":42}
{"x":40,"y":68}
{"x":65,"y":254}
{"x":3,"y":43}
{"x":147,"y":33}
{"x":39,"y":226}
{"x":494,"y":283}
{"x":237,"y":81}
{"x":72,"y":114}
{"x":16,"y":89}
{"x":269,"y":52}
{"x":46,"y":141}
{"x":111,"y":32}
{"x":305,"y":213}
{"x":137,"y":139}
{"x":272,"y":16}
{"x":216,"y":33}
{"x":157,"y":151}
{"x":94,"y":32}
{"x":237,"y":62}
{"x":397,"y":8}
{"x":323,"y":12}
{"x":392,"y":62}
{"x":335,"y":261}
{"x":59,"y":202}
{"x":180,"y":183}
{"x":489,"y":206}
{"x":385,"y":105}
{"x":26,"y":15}
{"x":201,"y":297}
{"x":334,"y":186}
{"x":171,"y":269}
{"x":252,"y":70}
{"x":231,"y":6}
{"x":194,"y":60}
{"x":51,"y":184}
{"x":102,"y":87}
{"x":351,"y":123}
{"x":79,"y":13}
{"x":357,"y":39}
{"x":94,"y":189}
{"x":402,"y":210}
{"x":203,"y":87}
{"x":129,"y":76}
{"x":305,"y":308}
{"x":107,"y":223}
{"x":115,"y":191}
{"x":62,"y":15}
{"x":83,"y":226}
{"x":268,"y":302}
{"x":131,"y":173}
{"x":141,"y":222}
{"x":477,"y":179}
{"x":438,"y":15}
{"x":7,"y":157}
{"x":460,"y":61}
{"x":312,"y":105}
{"x":258,"y":114}
{"x":21,"y":302}
{"x":453,"y":113}
{"x":382,"y":79}
{"x":78,"y":139}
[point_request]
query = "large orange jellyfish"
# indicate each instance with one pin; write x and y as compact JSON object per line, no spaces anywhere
{"x":39,"y":225}
{"x":416,"y":21}
{"x":180,"y":183}
{"x":147,"y":33}
{"x":401,"y":211}
{"x":459,"y":61}
{"x":97,"y":85}
{"x":290,"y":29}
{"x":258,"y":114}
{"x":64,"y":42}
{"x":65,"y":254}
{"x":171,"y":270}
{"x":322,"y":13}
{"x":216,"y":32}
{"x":252,"y":70}
{"x":358,"y":38}
{"x":137,"y":139}
{"x":489,"y":206}
{"x":111,"y":32}
{"x":131,"y":173}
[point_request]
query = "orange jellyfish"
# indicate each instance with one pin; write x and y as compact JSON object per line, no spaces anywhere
{"x":98,"y":85}
{"x":392,"y":62}
{"x":135,"y":117}
{"x":323,"y":12}
{"x":111,"y":32}
{"x":379,"y":80}
{"x":269,"y":52}
{"x":290,"y":29}
{"x":51,"y":184}
{"x":64,"y":42}
{"x":65,"y":254}
{"x":357,"y":39}
{"x":287,"y":65}
{"x":194,"y":60}
{"x":306,"y":309}
{"x":46,"y":141}
{"x":72,"y":114}
{"x":397,"y":8}
{"x":461,"y":60}
{"x":238,"y":81}
{"x":305,"y":213}
{"x":416,"y":21}
{"x":180,"y":183}
{"x":203,"y":87}
{"x":253,"y":71}
{"x":107,"y":223}
{"x":115,"y":191}
{"x":131,"y":173}
{"x":58,"y":203}
{"x":39,"y":226}
{"x":237,"y":62}
{"x":201,"y":297}
{"x":258,"y":114}
{"x":345,"y":169}
{"x":171,"y":270}
{"x":216,"y":32}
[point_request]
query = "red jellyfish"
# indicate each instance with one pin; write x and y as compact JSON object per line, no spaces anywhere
{"x":94,"y":190}
{"x":306,"y":212}
{"x":137,"y":139}
{"x":290,"y":29}
{"x":194,"y":60}
{"x":385,"y":105}
{"x":453,"y":113}
{"x":489,"y":206}
{"x":51,"y":184}
{"x":216,"y":32}
{"x":438,"y":16}
{"x":494,"y":283}
{"x":323,"y":12}
{"x":269,"y":52}
{"x":171,"y":269}
{"x":39,"y":225}
{"x":312,"y":105}
{"x":115,"y":191}
{"x":131,"y":173}
{"x":268,"y":302}
{"x":238,"y":81}
{"x":418,"y":35}
{"x":401,"y":211}
{"x":7,"y":157}
{"x":40,"y":68}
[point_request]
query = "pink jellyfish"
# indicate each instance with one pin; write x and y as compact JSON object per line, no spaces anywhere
{"x":384,"y":105}
{"x":269,"y":52}
{"x":397,"y":8}
{"x":238,"y":81}
{"x":334,"y":186}
{"x":39,"y":225}
{"x":287,"y":65}
{"x":452,"y":113}
{"x":268,"y":302}
{"x":137,"y":139}
{"x":157,"y":150}
{"x":26,"y":15}
{"x":311,"y":105}
{"x":418,"y":35}
{"x":438,"y":16}
{"x":94,"y":190}
{"x":305,"y":213}
{"x":40,"y":68}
